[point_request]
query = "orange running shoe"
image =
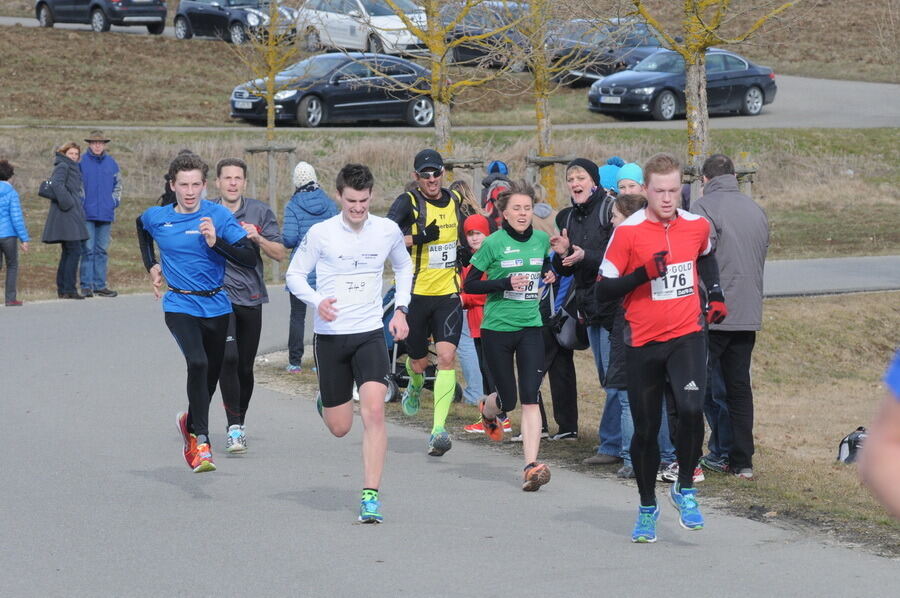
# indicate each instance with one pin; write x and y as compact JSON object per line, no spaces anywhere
{"x":190,"y":441}
{"x":535,"y":475}
{"x":203,"y":460}
{"x":493,"y":429}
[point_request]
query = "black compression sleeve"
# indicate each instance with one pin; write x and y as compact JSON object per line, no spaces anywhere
{"x":708,"y":268}
{"x":475,"y":286}
{"x":145,"y":242}
{"x":608,"y":289}
{"x":401,"y":213}
{"x":239,"y":253}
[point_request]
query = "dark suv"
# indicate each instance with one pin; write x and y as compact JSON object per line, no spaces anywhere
{"x":103,"y":13}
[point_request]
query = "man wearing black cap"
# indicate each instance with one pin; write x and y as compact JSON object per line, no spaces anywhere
{"x":430,"y":220}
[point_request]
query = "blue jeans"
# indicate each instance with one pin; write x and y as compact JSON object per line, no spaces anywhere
{"x":93,"y":255}
{"x":666,"y":448}
{"x":610,"y":431}
{"x":468,"y":362}
{"x":715,"y":407}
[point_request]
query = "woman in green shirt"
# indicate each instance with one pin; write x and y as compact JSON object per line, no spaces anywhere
{"x":515,"y":261}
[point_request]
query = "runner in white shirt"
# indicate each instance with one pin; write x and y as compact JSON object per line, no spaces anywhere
{"x":348,"y":252}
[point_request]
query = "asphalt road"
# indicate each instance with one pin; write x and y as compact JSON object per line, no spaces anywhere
{"x":97,"y":500}
{"x":801,"y":102}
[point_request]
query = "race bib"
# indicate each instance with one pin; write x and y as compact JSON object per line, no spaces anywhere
{"x":531,"y":289}
{"x":677,"y":282}
{"x":441,"y":256}
{"x":356,"y":289}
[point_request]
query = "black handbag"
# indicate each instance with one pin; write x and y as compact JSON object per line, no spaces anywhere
{"x":569,"y":330}
{"x":46,"y":190}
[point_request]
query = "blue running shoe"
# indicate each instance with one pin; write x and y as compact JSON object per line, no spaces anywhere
{"x":685,"y":500}
{"x":439,"y":443}
{"x":410,"y":401}
{"x":370,"y":510}
{"x":645,"y":526}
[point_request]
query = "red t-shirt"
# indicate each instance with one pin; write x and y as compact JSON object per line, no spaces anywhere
{"x":667,"y":307}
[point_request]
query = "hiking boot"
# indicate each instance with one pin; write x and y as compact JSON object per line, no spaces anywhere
{"x":685,"y":500}
{"x":235,"y":441}
{"x":439,"y":443}
{"x":645,"y":526}
{"x":535,"y":475}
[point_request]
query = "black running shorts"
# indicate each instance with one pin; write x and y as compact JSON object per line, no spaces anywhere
{"x":342,"y":359}
{"x":438,"y":317}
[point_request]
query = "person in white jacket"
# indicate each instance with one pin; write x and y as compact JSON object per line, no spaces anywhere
{"x":347,"y":253}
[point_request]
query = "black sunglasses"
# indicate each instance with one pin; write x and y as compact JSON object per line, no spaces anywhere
{"x":430,"y":174}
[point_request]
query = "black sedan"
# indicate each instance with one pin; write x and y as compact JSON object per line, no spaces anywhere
{"x":481,"y":44}
{"x":231,"y":20}
{"x":655,"y":86}
{"x":100,"y":14}
{"x":336,"y":87}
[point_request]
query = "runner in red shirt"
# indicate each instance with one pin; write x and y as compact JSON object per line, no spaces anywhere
{"x":651,"y":260}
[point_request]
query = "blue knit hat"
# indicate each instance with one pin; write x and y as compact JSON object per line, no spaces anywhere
{"x":609,"y":171}
{"x":632,"y":172}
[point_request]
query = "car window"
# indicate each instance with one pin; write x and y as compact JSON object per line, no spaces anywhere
{"x":380,"y":8}
{"x":328,"y":5}
{"x":394,"y":69}
{"x":356,"y":70}
{"x":661,"y":62}
{"x":313,"y":5}
{"x":347,"y":5}
{"x":314,"y":67}
{"x":250,"y":3}
{"x":715,"y":63}
{"x":734,"y":64}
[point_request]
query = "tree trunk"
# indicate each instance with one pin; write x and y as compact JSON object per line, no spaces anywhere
{"x":697,"y":111}
{"x":545,"y":144}
{"x":275,"y":271}
{"x":442,"y":128}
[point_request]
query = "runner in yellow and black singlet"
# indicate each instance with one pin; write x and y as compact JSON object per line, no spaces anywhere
{"x":430,"y":220}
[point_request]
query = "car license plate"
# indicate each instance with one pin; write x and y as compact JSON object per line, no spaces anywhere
{"x":243,"y":105}
{"x":610,"y":100}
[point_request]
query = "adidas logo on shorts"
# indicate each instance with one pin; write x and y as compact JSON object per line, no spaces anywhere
{"x":691,"y":386}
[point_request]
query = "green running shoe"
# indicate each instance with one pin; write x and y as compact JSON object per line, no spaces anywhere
{"x":410,"y":401}
{"x":439,"y":443}
{"x":370,"y":510}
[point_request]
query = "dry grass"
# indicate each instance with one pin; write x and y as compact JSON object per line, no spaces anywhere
{"x":817,"y":369}
{"x":16,"y":8}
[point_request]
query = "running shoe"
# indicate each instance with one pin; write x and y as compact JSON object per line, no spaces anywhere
{"x":518,"y":438}
{"x":439,"y":443}
{"x":478,"y":427}
{"x":645,"y":526}
{"x":670,"y":474}
{"x":535,"y":475}
{"x":685,"y":500}
{"x":235,"y":441}
{"x":565,"y":436}
{"x":713,"y":463}
{"x":410,"y":401}
{"x":293,"y":369}
{"x":203,"y":460}
{"x":190,"y":441}
{"x":492,"y":427}
{"x":744,"y":473}
{"x":370,"y":510}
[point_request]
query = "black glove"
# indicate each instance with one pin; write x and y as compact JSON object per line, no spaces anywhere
{"x":429,"y":233}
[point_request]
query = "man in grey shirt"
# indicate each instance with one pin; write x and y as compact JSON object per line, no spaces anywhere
{"x":246,"y":288}
{"x":739,"y":233}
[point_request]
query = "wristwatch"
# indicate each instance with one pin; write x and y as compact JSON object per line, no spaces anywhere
{"x":404,"y":309}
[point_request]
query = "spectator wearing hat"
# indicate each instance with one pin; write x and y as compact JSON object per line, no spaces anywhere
{"x":309,"y":205}
{"x":102,"y":195}
{"x":12,"y":231}
{"x":609,"y":173}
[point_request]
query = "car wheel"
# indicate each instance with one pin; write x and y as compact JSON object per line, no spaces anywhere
{"x":236,"y":34}
{"x":420,"y":112}
{"x":753,"y":102}
{"x":156,"y":28}
{"x":374,"y":45}
{"x":310,"y":112}
{"x":313,"y":42}
{"x":183,"y":28}
{"x":45,"y":17}
{"x":99,"y":21}
{"x":665,"y":106}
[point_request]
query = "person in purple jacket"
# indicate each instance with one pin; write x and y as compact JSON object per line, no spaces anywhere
{"x":12,"y":231}
{"x":102,"y":194}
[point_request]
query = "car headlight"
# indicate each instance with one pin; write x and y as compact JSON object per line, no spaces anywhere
{"x":285,"y":94}
{"x":252,"y":20}
{"x":644,"y":91}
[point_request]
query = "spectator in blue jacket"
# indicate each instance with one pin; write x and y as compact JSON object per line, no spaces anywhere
{"x":102,"y":194}
{"x":309,"y":205}
{"x":12,"y":231}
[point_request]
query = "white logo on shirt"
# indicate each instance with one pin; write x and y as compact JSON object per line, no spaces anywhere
{"x":691,"y":386}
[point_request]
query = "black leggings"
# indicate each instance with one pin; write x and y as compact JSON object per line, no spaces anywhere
{"x":236,"y":377}
{"x":202,"y":341}
{"x":683,"y":359}
{"x":527,"y":345}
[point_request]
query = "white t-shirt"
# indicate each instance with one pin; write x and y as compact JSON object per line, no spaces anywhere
{"x":349,"y":266}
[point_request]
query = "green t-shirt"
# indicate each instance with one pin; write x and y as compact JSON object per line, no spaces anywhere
{"x":501,"y":256}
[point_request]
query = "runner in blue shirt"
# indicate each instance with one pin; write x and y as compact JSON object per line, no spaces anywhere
{"x":195,"y":237}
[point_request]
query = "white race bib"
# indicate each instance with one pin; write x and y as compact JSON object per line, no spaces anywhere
{"x":356,"y":289}
{"x":530,"y":293}
{"x":442,"y":256}
{"x":677,"y":282}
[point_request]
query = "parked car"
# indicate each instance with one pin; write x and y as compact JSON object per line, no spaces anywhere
{"x":335,"y":87}
{"x":369,"y":25}
{"x":655,"y":86}
{"x":479,"y":23}
{"x":231,"y":20}
{"x":101,"y":14}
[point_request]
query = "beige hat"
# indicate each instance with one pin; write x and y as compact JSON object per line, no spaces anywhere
{"x":304,"y":174}
{"x":97,"y":136}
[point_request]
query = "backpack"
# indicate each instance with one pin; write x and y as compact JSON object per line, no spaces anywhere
{"x":848,"y":449}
